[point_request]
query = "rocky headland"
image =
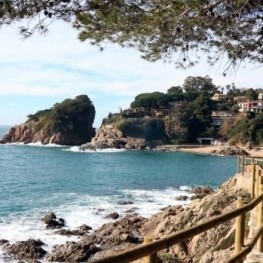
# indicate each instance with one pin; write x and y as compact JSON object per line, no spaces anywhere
{"x":109,"y":135}
{"x":66,"y":123}
{"x":128,"y":230}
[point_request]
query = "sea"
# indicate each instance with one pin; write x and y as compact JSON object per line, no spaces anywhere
{"x":84,"y":187}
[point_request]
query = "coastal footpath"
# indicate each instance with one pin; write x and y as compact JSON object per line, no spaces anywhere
{"x":128,"y":230}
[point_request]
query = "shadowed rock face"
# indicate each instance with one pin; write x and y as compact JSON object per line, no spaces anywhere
{"x":27,"y":250}
{"x":73,"y":252}
{"x":66,"y":123}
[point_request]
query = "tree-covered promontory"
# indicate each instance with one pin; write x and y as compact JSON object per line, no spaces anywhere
{"x":68,"y":123}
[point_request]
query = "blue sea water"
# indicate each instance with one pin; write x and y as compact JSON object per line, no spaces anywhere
{"x":83,"y":187}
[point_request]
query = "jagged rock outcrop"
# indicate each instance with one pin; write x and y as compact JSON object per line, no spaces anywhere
{"x":73,"y":252}
{"x":81,"y":231}
{"x":27,"y":250}
{"x":52,"y":222}
{"x":230,"y":150}
{"x":66,"y":123}
{"x":109,"y":136}
{"x":125,"y":230}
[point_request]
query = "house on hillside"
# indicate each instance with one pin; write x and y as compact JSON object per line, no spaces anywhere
{"x":218,"y":117}
{"x":253,"y":106}
{"x":240,"y":99}
{"x":219,"y":97}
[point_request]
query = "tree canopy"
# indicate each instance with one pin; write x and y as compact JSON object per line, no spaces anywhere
{"x":159,"y":29}
{"x":74,"y":115}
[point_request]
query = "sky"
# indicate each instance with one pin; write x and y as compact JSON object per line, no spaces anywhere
{"x":40,"y":71}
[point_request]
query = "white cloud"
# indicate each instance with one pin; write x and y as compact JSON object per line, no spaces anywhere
{"x":59,"y":65}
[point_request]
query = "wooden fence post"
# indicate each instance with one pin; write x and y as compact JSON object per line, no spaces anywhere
{"x":243,"y":164}
{"x":151,"y":258}
{"x":253,"y":172}
{"x":240,"y":229}
{"x":258,"y":181}
{"x":260,"y":216}
{"x":238,"y":164}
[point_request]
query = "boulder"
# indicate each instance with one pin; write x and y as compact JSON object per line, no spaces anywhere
{"x":85,"y":228}
{"x":230,"y":150}
{"x":113,"y":215}
{"x":181,"y":198}
{"x":3,"y":241}
{"x":115,"y":233}
{"x":27,"y":250}
{"x":200,"y":192}
{"x":81,"y":231}
{"x":72,"y":252}
{"x":51,"y":221}
{"x":125,"y":203}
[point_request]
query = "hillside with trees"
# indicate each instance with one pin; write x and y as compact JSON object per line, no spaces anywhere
{"x":197,"y":109}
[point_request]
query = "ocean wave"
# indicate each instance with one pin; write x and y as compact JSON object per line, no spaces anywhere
{"x":36,"y":144}
{"x":185,"y":188}
{"x":85,"y":209}
{"x":107,"y":150}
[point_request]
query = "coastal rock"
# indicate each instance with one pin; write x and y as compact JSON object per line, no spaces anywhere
{"x":66,"y":123}
{"x":81,"y":231}
{"x":230,"y":150}
{"x":182,"y":198}
{"x":129,"y":231}
{"x":27,"y":250}
{"x":132,"y":210}
{"x":115,"y":233}
{"x":216,"y":256}
{"x":72,"y":252}
{"x":200,"y":192}
{"x":248,"y":146}
{"x":85,"y":228}
{"x":51,"y":221}
{"x":109,"y":136}
{"x":125,"y":203}
{"x":113,"y":251}
{"x":3,"y":241}
{"x":176,"y":218}
{"x":113,"y":215}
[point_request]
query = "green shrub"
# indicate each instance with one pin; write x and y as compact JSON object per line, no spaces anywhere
{"x":149,"y":129}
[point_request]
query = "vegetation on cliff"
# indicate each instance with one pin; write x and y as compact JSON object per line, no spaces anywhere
{"x":185,"y":111}
{"x":69,"y":122}
{"x":192,"y":110}
{"x":65,"y":116}
{"x":246,"y":128}
{"x":149,"y":129}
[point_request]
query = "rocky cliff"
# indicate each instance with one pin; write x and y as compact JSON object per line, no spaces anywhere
{"x":66,"y":123}
{"x":121,"y":133}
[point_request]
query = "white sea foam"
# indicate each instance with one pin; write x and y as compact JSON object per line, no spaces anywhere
{"x":84,"y":209}
{"x":36,"y":144}
{"x":72,"y":149}
{"x":185,"y":188}
{"x":108,"y":150}
{"x":40,"y":144}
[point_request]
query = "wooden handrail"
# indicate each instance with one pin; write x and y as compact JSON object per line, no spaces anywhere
{"x":180,"y":236}
{"x":244,"y":252}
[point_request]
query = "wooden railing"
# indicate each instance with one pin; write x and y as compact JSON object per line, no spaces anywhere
{"x":149,"y":249}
